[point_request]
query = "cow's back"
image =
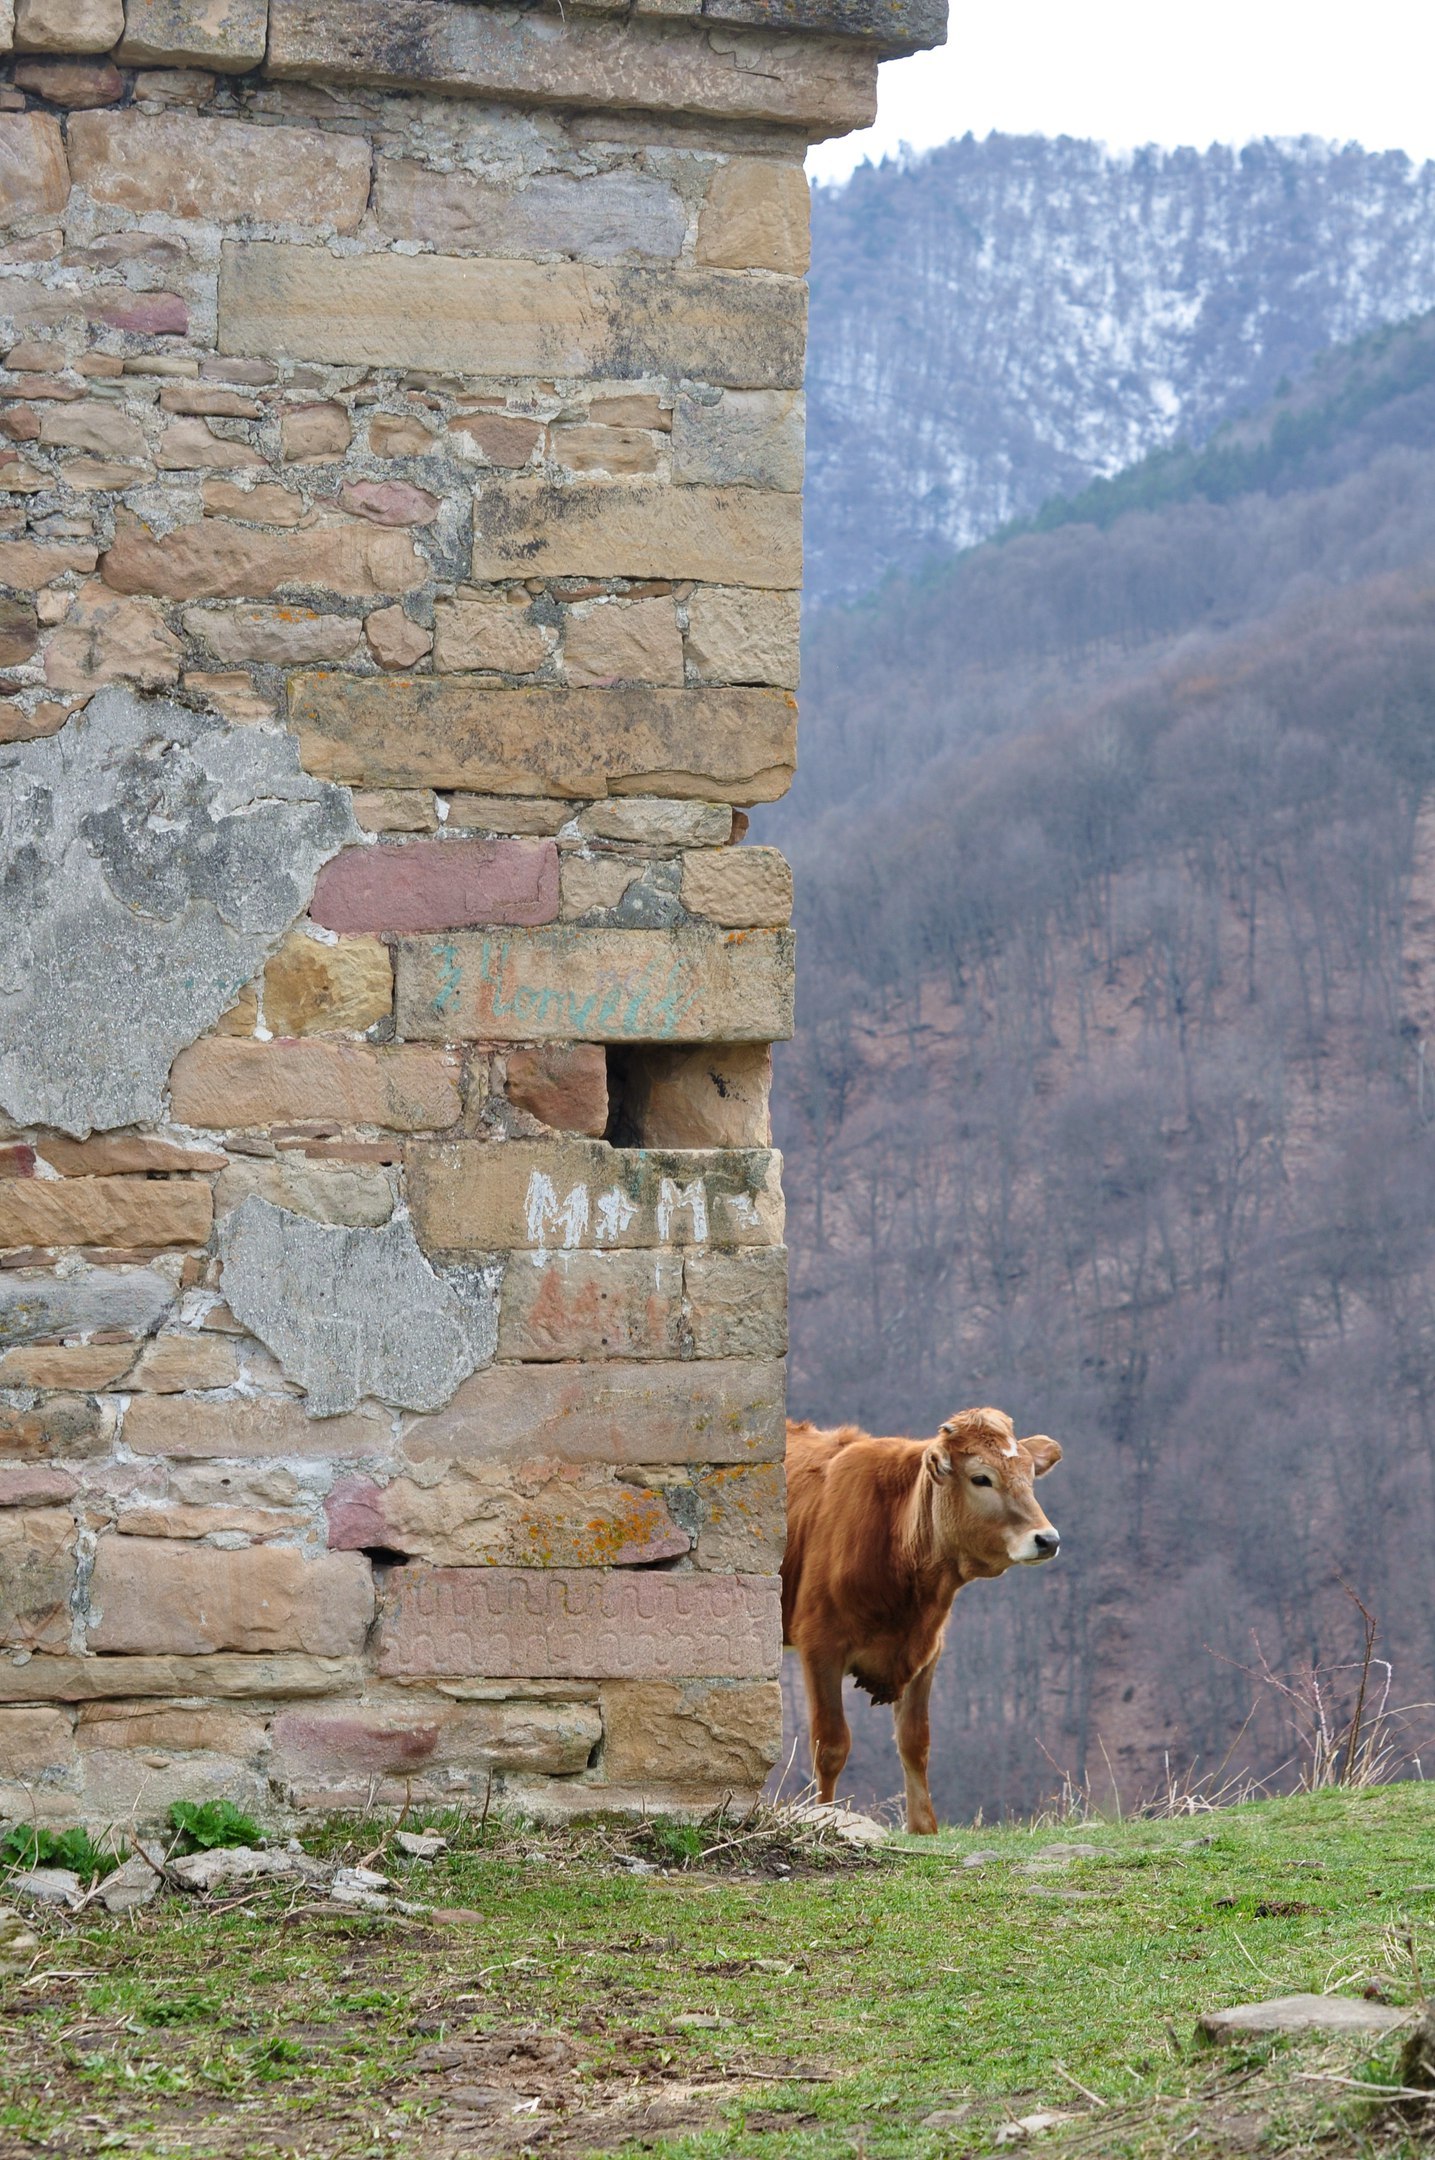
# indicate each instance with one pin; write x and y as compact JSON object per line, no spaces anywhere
{"x":829,"y":1518}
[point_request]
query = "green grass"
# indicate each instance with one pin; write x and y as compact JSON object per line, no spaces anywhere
{"x":693,"y":2013}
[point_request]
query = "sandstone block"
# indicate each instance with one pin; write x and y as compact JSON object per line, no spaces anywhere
{"x":30,"y":1488}
{"x":89,"y":425}
{"x":103,"y":639}
{"x":396,"y":810}
{"x":612,"y":641}
{"x":508,"y":814}
{"x":612,"y":1413}
{"x":262,"y":505}
{"x":825,"y":83}
{"x":216,"y":560}
{"x":691,"y":1732}
{"x":354,"y":1743}
{"x":33,"y":1741}
{"x":742,"y":1518}
{"x":564,"y":1085}
{"x":756,"y":216}
{"x":172,"y":1363}
{"x":71,"y":26}
{"x":419,"y":885}
{"x":139,"y":1725}
{"x":27,"y":565}
{"x":395,"y":639}
{"x":739,"y":635}
{"x":737,"y":1303}
{"x":97,"y":1679}
{"x":491,"y":634}
{"x":593,"y":885}
{"x":503,"y":1515}
{"x":393,"y":435}
{"x":568,"y":984}
{"x":226,"y":36}
{"x":132,"y":1154}
{"x":561,"y":1196}
{"x":503,"y":319}
{"x":66,"y":1426}
{"x":710,"y":1098}
{"x":288,"y":637}
{"x":358,"y":1195}
{"x":151,"y":1596}
{"x":744,"y":438}
{"x":37,"y":1575}
{"x":310,"y":432}
{"x":637,"y":529}
{"x":453,"y":732}
{"x":224,"y":1083}
{"x":579,"y":1623}
{"x":388,"y":502}
{"x":499,"y":438}
{"x":76,"y":1365}
{"x":651,"y":822}
{"x":82,"y":85}
{"x":590,"y":1305}
{"x":602,"y":217}
{"x":105,"y":1211}
{"x":605,"y":450}
{"x":183,"y":165}
{"x":258,"y":1524}
{"x":746,"y":888}
{"x":315,"y":989}
{"x":192,"y":446}
{"x":263,"y":1425}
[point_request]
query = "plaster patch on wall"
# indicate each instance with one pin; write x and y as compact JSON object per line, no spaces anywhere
{"x":36,"y":1308}
{"x":350,"y":1313}
{"x":150,"y":861}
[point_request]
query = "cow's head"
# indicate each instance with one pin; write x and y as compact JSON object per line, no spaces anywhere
{"x":985,"y":1514}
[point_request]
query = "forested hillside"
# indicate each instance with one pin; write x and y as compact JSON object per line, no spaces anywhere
{"x":1001,"y":320}
{"x":1116,"y":861}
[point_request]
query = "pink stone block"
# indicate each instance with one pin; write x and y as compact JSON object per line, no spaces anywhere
{"x":578,"y":1623}
{"x":424,"y":885}
{"x":27,"y":1488}
{"x":155,"y":314}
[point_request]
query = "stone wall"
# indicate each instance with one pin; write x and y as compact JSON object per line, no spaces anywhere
{"x":400,"y":513}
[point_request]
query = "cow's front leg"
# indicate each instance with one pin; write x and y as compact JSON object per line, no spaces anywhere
{"x":913,"y":1742}
{"x":826,"y":1723}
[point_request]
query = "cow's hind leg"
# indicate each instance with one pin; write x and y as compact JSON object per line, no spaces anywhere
{"x":913,"y":1742}
{"x":826,"y":1723}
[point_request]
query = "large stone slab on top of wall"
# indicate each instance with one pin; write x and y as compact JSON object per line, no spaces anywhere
{"x":284,"y":301}
{"x":729,"y":1411}
{"x":458,"y":731}
{"x":355,"y":1313}
{"x":151,"y":859}
{"x":570,"y":984}
{"x":819,"y":85}
{"x":577,"y":1623}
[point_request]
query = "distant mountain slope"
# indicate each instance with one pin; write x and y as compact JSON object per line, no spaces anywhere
{"x":1111,"y":1099}
{"x":1001,"y":321}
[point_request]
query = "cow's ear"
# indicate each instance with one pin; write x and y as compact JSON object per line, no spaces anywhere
{"x":1045,"y":1454}
{"x":939,"y":1462}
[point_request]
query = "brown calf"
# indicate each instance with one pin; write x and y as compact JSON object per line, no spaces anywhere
{"x":881,"y":1535}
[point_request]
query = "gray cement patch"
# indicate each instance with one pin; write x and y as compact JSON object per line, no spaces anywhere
{"x":151,"y":859}
{"x":351,"y":1313}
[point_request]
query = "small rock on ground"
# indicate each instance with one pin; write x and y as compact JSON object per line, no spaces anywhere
{"x":420,"y":1844}
{"x":17,"y":1943}
{"x":1300,"y":2014}
{"x":852,"y":1828}
{"x":230,"y":1863}
{"x":47,"y":1886}
{"x":136,"y":1882}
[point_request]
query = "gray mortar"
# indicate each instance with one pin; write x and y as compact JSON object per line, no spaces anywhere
{"x":151,"y":859}
{"x":350,"y":1313}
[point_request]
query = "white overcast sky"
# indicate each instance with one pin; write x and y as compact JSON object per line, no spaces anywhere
{"x":1129,"y":72}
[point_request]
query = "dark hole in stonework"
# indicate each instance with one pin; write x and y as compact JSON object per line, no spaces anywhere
{"x":627,"y":1089}
{"x":384,"y":1556}
{"x":667,"y":1095}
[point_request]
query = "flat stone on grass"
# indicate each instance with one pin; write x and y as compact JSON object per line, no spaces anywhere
{"x":1296,"y":2014}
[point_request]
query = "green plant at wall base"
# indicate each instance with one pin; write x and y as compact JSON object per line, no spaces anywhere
{"x":25,"y":1845}
{"x":203,"y":1824}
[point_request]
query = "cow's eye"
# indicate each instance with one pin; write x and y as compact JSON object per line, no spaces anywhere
{"x":981,"y":1479}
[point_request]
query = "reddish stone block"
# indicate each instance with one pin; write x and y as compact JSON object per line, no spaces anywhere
{"x":17,"y":1160}
{"x":155,"y":314}
{"x":578,"y":1623}
{"x":389,"y":502}
{"x":564,"y":1085}
{"x":425,"y":885}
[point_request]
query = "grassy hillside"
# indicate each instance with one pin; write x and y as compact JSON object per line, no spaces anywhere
{"x":742,"y":2001}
